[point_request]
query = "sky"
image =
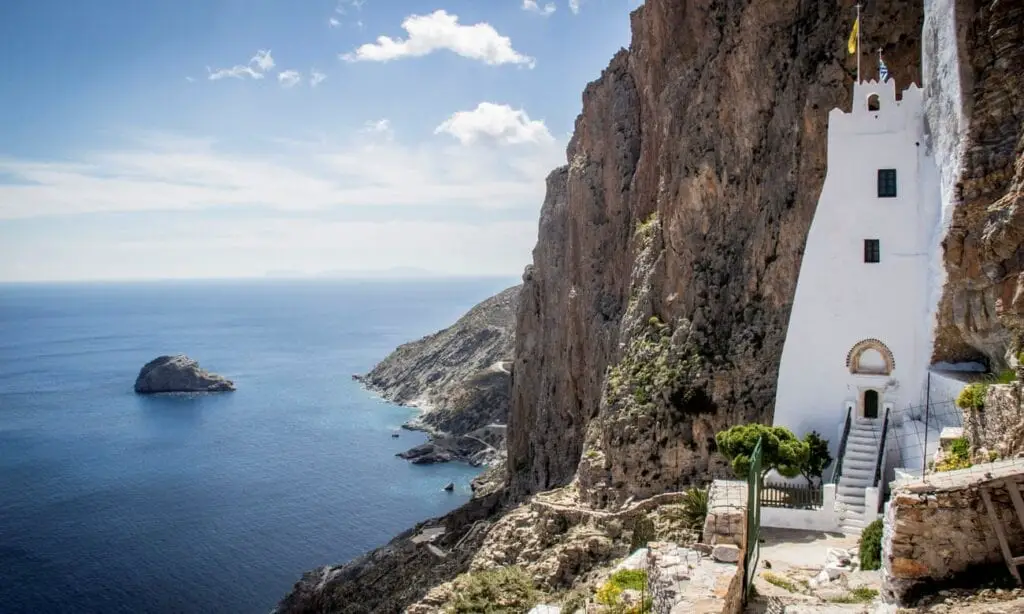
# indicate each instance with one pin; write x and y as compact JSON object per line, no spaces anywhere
{"x":246,"y":138}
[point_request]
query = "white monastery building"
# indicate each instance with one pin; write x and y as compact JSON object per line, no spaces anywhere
{"x":857,"y":351}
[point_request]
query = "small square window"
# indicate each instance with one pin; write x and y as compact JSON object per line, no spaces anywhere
{"x":872,"y":251}
{"x":887,"y":183}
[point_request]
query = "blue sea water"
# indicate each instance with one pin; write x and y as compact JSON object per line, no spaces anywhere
{"x":112,"y":502}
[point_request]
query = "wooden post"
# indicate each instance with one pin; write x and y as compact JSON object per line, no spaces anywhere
{"x":1011,"y":563}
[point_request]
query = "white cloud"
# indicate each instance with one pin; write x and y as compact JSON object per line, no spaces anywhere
{"x":574,"y":6}
{"x":190,"y":79}
{"x":333,"y":22}
{"x":238,"y":71}
{"x":496,"y":123}
{"x":382,"y":126}
{"x":533,"y":7}
{"x":164,"y":173}
{"x":259,"y":64}
{"x":437,"y":31}
{"x":358,"y":4}
{"x":263,"y":60}
{"x":288,"y":78}
{"x":316,"y":77}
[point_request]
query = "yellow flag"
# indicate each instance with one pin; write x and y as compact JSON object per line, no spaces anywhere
{"x":851,"y":45}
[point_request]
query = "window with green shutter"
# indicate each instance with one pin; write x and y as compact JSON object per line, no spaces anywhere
{"x":887,"y":183}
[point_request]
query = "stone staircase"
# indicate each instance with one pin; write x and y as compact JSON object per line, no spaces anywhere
{"x":858,"y":473}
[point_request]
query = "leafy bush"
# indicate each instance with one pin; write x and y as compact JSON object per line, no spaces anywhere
{"x":609,"y":594}
{"x":634,"y":579}
{"x":780,"y":449}
{"x":504,"y":590}
{"x":1004,"y":377}
{"x":695,"y":508}
{"x":959,"y":456}
{"x":960,"y":447}
{"x":643,"y":532}
{"x":870,"y":547}
{"x":625,"y":579}
{"x":818,"y":457}
{"x":972,"y":397}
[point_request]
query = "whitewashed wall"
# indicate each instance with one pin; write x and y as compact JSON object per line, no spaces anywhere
{"x":841,"y":300}
{"x":824,"y":518}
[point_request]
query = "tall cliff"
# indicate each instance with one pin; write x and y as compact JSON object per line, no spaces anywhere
{"x":668,"y":251}
{"x":975,"y":97}
{"x":656,"y":307}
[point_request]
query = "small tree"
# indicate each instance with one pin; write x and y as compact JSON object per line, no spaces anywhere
{"x":972,"y":397}
{"x":818,"y":458}
{"x":780,"y":449}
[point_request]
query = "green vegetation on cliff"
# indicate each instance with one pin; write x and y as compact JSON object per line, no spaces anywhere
{"x":505,"y":589}
{"x":651,"y":367}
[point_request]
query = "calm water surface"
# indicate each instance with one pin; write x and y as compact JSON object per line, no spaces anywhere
{"x":112,"y":502}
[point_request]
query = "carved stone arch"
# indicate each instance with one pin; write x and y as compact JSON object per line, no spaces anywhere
{"x":859,"y":358}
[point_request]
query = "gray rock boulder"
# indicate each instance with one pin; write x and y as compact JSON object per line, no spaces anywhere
{"x":179,"y":374}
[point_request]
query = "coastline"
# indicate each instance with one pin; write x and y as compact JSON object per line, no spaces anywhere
{"x":441,"y":446}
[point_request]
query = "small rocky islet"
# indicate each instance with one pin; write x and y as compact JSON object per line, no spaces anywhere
{"x":179,"y":373}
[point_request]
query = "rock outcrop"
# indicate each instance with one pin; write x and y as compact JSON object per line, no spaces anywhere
{"x":669,"y":247}
{"x":459,"y":378}
{"x":179,"y":374}
{"x":973,"y":53}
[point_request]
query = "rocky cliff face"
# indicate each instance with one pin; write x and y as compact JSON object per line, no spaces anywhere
{"x":973,"y":53}
{"x":656,"y":307}
{"x":459,"y":377}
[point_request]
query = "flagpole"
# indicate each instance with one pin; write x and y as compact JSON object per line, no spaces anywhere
{"x":858,"y":42}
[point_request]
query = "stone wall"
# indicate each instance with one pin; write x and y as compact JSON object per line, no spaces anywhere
{"x":727,"y":513}
{"x":683,"y":579}
{"x":937,"y":530}
{"x":999,"y":427}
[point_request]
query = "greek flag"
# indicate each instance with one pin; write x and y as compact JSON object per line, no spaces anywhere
{"x":883,"y":70}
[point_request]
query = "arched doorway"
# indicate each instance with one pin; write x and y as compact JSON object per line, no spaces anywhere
{"x":871,"y":404}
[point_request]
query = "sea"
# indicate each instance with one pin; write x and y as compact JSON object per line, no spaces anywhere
{"x":114,"y":502}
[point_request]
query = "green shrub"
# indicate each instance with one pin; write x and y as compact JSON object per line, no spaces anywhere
{"x":870,"y":547}
{"x":972,"y":397}
{"x":1004,"y":377}
{"x":960,"y":447}
{"x":609,"y":594}
{"x":625,"y":579}
{"x":959,"y":456}
{"x":632,"y":579}
{"x":695,"y":508}
{"x":643,"y":532}
{"x":818,"y":457}
{"x":780,"y":449}
{"x":505,"y":590}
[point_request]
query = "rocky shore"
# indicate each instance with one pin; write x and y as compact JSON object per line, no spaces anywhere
{"x":459,"y":378}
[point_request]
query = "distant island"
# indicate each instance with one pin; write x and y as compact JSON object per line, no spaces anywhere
{"x":179,"y":374}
